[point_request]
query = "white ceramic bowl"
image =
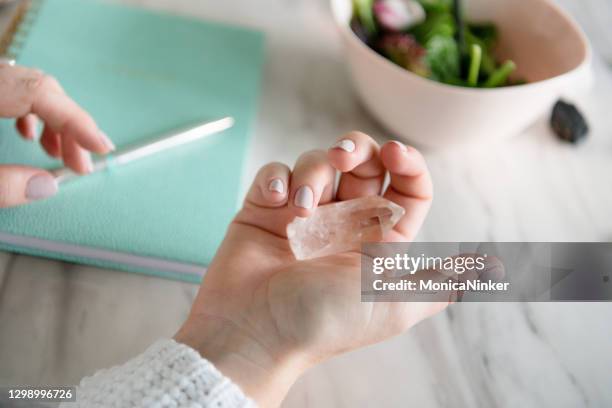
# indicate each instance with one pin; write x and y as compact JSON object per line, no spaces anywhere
{"x":550,"y":50}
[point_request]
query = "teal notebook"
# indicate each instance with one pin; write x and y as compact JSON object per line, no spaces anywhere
{"x":139,"y":74}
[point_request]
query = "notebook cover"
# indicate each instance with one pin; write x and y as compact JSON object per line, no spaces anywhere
{"x":139,"y":74}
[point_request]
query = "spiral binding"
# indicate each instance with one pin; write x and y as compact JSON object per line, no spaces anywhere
{"x":14,"y":38}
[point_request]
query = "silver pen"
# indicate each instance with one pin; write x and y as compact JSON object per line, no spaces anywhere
{"x":138,"y":151}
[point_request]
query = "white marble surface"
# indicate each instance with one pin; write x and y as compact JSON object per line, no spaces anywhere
{"x":59,"y":321}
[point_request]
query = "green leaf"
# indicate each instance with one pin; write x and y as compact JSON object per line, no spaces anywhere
{"x":486,"y":32}
{"x":460,"y":29}
{"x":436,"y":24}
{"x":443,"y":59}
{"x":476,"y":58}
{"x":444,"y":6}
{"x":365,"y":14}
{"x":488,"y":63}
{"x":500,"y":76}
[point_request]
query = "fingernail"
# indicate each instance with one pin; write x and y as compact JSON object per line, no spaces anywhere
{"x":41,"y":186}
{"x":7,"y":61}
{"x":345,"y":144}
{"x":400,"y":144}
{"x":88,"y":165}
{"x":304,"y":197}
{"x":106,"y":140}
{"x":277,"y":185}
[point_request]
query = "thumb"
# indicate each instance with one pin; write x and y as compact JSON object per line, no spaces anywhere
{"x":21,"y":184}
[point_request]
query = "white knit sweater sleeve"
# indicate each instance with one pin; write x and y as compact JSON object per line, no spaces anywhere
{"x":167,"y":374}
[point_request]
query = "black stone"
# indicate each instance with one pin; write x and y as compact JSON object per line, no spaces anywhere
{"x":568,"y":123}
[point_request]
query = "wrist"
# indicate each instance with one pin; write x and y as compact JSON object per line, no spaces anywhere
{"x":263,"y":375}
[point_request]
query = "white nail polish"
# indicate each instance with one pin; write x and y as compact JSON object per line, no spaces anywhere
{"x":106,"y":140}
{"x":400,"y":144}
{"x":7,"y":61}
{"x":345,"y":144}
{"x":41,"y":186}
{"x":277,"y":185}
{"x":304,"y":197}
{"x":89,"y":166}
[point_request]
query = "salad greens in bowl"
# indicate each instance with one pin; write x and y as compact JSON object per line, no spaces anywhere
{"x":432,"y":39}
{"x":444,"y":72}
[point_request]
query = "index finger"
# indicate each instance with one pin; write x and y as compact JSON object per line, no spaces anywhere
{"x":410,"y":186}
{"x":25,"y":90}
{"x":66,"y":117}
{"x":357,"y":156}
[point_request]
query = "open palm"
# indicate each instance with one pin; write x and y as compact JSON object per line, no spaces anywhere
{"x":310,"y":308}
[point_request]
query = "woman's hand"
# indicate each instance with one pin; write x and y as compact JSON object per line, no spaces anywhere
{"x":69,"y":132}
{"x":261,"y":316}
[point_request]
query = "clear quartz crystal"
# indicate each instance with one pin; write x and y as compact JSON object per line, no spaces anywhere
{"x":342,"y":226}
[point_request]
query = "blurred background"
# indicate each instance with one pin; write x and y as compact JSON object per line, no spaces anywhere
{"x":62,"y":321}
